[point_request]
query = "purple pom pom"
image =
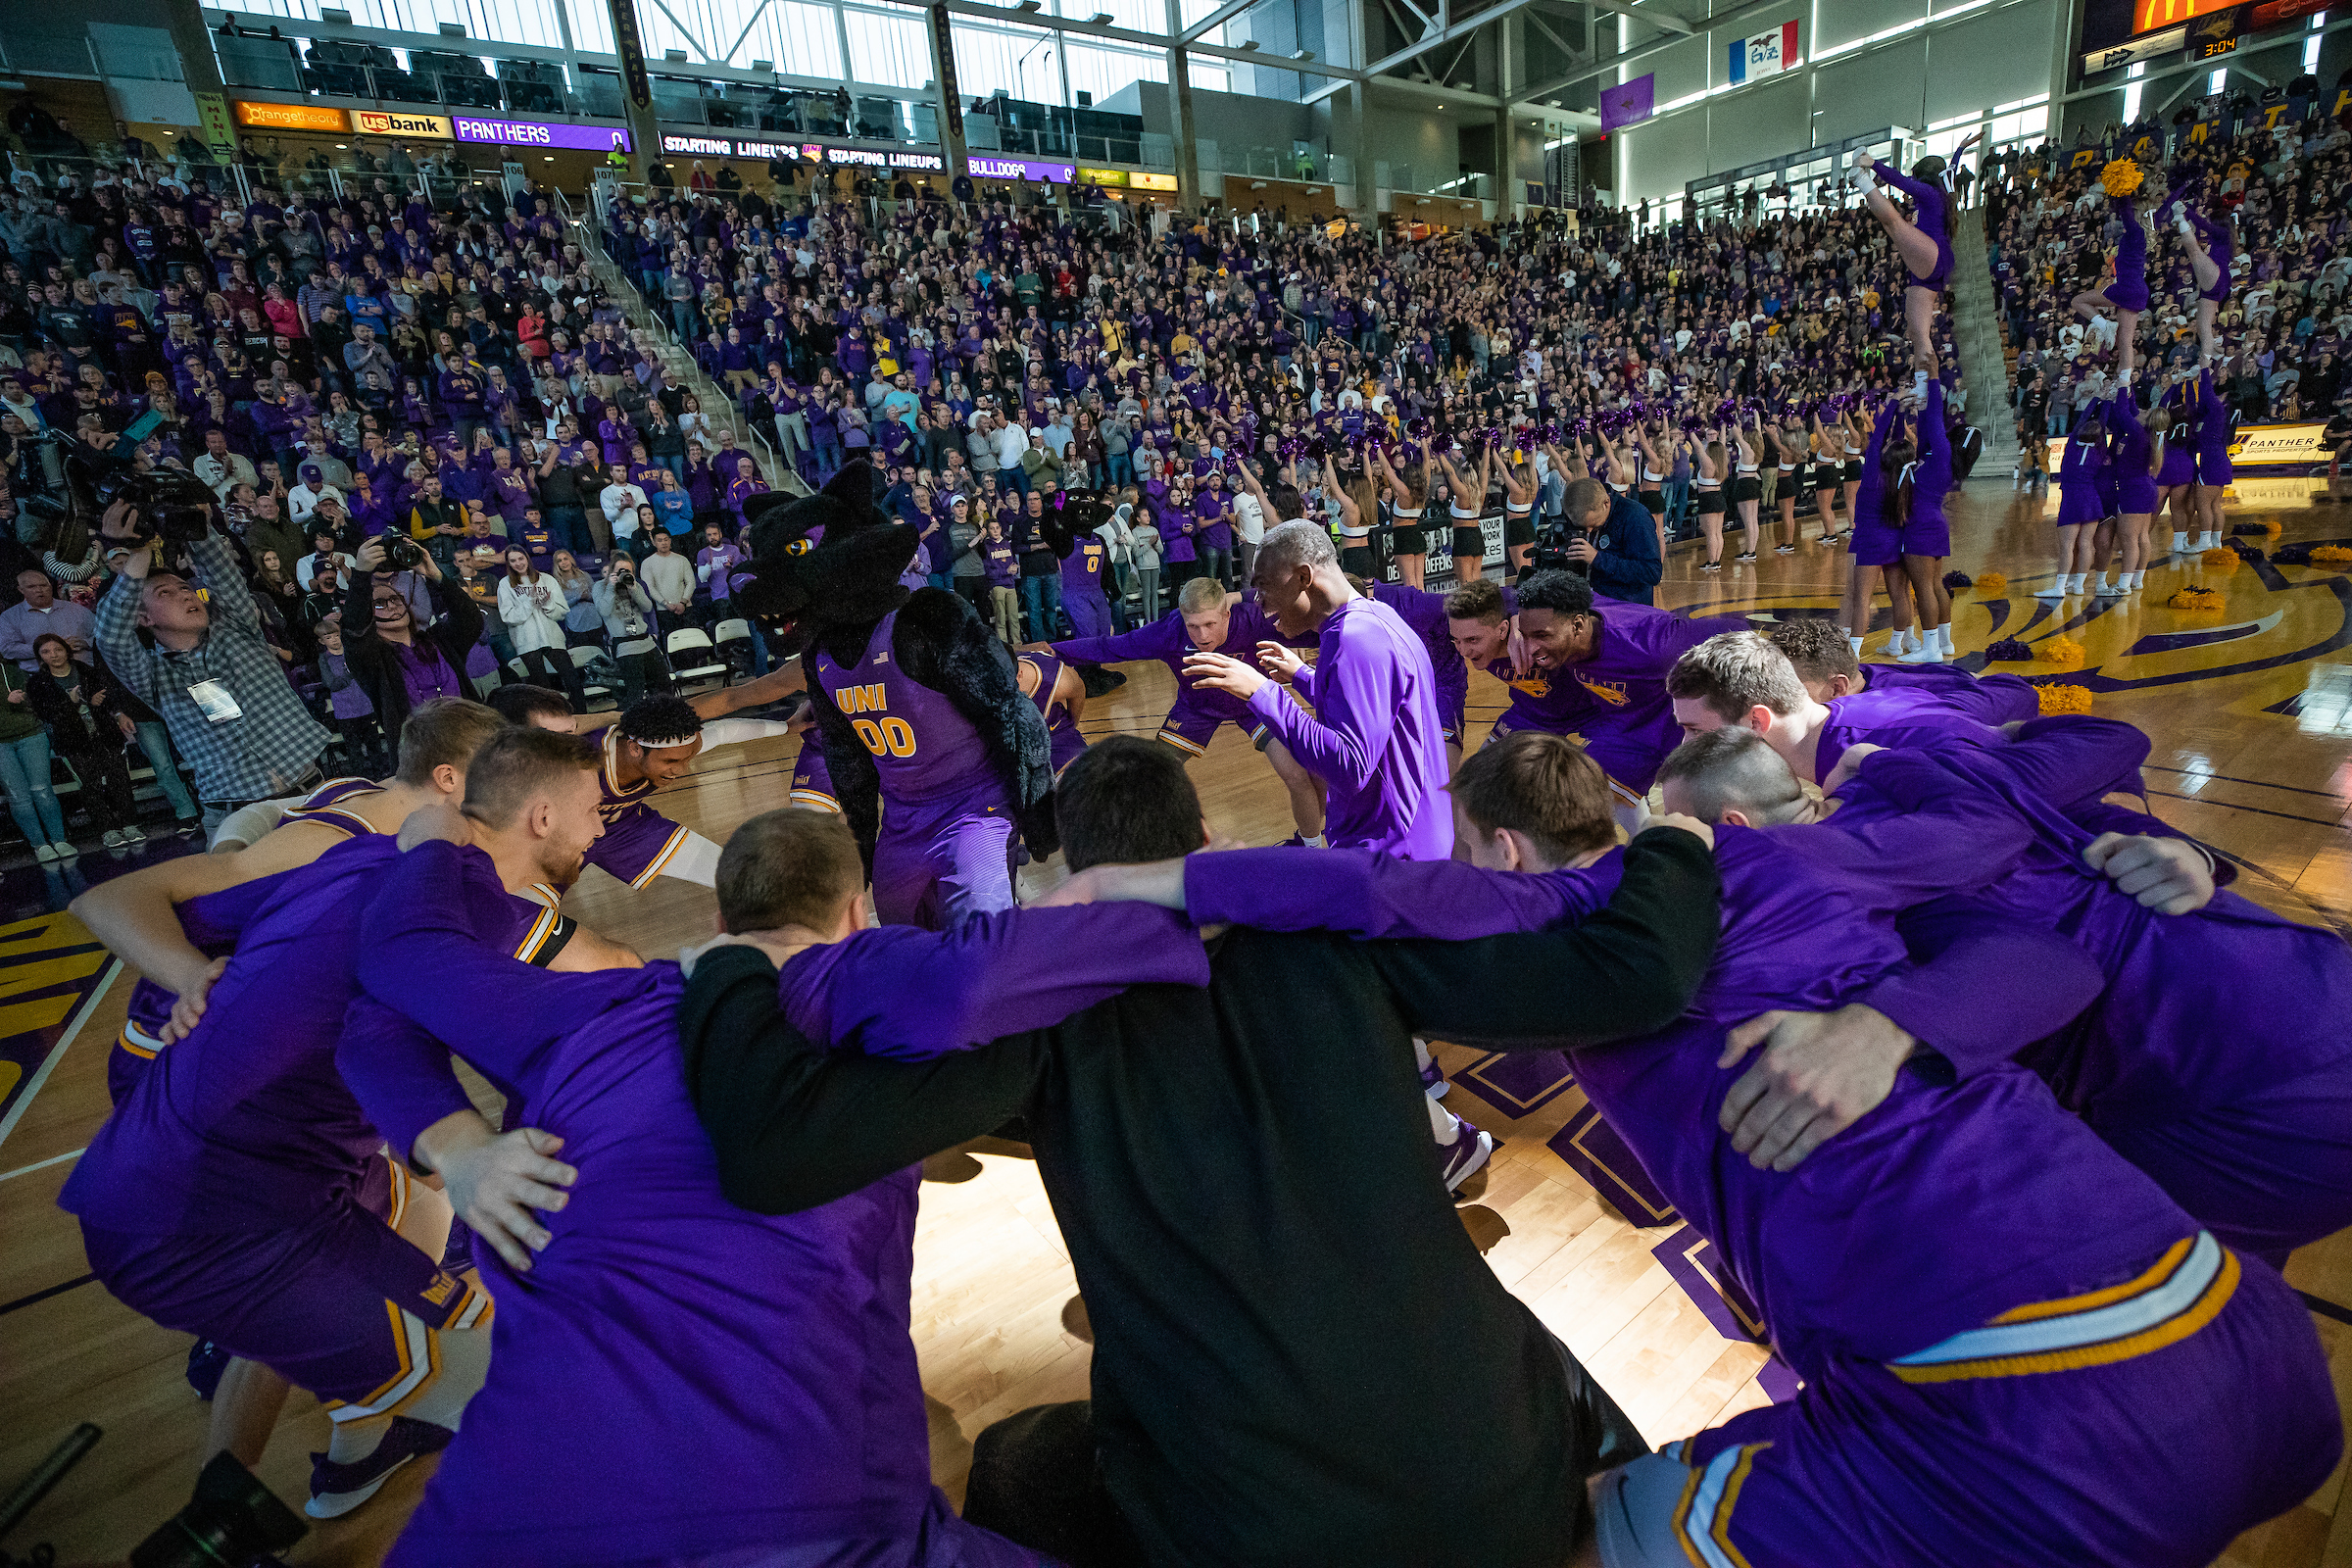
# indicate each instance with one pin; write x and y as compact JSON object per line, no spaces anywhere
{"x":1957,"y":580}
{"x":2009,"y":650}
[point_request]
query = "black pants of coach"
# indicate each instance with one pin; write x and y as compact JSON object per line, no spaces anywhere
{"x":1036,"y":1478}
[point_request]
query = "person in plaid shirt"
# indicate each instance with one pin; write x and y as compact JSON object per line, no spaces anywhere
{"x":193,"y":652}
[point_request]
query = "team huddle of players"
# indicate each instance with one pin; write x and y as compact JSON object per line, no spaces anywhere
{"x":1944,"y":1054}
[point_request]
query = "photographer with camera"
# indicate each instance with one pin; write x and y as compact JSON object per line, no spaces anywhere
{"x":397,"y":658}
{"x":629,"y":610}
{"x":193,"y":650}
{"x":1611,"y":541}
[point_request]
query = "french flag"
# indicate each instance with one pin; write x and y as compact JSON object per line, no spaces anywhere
{"x":1767,"y":54}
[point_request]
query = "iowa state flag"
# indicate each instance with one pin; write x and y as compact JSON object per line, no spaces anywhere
{"x":1767,"y":54}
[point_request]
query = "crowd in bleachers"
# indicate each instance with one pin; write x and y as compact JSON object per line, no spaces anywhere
{"x":2275,"y":169}
{"x":340,"y":366}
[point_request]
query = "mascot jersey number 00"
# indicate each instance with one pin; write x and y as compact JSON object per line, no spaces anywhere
{"x":916,"y":704}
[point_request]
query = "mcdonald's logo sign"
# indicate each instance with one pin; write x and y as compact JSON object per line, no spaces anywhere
{"x":2149,"y":15}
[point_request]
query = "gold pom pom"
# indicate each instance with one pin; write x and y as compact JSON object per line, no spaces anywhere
{"x":2196,"y":602}
{"x":2224,"y":562}
{"x":2331,"y":554}
{"x":2121,"y":177}
{"x":2063,"y":696}
{"x":2063,"y":653}
{"x":1991,"y":585}
{"x":2273,"y":530}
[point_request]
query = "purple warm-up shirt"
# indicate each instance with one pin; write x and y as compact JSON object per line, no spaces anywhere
{"x":1375,"y":739}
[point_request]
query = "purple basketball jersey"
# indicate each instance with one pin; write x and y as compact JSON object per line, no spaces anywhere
{"x":923,"y":748}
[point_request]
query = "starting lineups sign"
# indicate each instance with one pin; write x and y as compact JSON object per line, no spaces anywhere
{"x":1767,"y":54}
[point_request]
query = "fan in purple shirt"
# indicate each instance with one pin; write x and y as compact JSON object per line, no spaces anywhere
{"x":1375,"y":738}
{"x":1209,"y":619}
{"x":1967,"y":1265}
{"x":727,"y":1383}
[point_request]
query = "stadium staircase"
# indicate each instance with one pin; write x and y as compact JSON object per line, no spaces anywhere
{"x":1977,"y":334}
{"x":680,"y":363}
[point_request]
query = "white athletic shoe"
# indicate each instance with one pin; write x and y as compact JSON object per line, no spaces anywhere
{"x":1470,"y":1148}
{"x":2110,"y":590}
{"x":46,"y":853}
{"x":2056,"y":590}
{"x":1922,"y":655}
{"x":2180,"y":542}
{"x":112,"y":838}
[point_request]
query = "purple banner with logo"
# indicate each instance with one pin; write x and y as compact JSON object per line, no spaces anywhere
{"x":984,"y":167}
{"x":1628,"y":104}
{"x":540,"y":133}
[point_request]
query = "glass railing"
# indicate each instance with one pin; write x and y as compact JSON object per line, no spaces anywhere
{"x":539,"y":87}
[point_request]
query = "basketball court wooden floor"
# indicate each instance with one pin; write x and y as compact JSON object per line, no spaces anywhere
{"x":2251,"y":715}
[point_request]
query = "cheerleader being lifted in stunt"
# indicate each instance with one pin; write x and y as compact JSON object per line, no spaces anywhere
{"x":2210,"y":248}
{"x":1925,"y":245}
{"x":2126,"y":291}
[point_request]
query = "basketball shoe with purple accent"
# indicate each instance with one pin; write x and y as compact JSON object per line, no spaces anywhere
{"x":337,"y":1489}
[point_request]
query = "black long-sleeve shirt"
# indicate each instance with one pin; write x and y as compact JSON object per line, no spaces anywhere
{"x":1300,"y":1358}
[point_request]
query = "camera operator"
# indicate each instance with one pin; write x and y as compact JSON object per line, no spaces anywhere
{"x":193,"y":652}
{"x":628,"y":611}
{"x":1611,"y":541}
{"x":395,"y":657}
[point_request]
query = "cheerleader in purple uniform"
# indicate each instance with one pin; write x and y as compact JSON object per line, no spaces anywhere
{"x":2137,"y":454}
{"x":2081,"y":505}
{"x":2176,"y":423}
{"x":2209,"y":245}
{"x":1877,"y":545}
{"x":2126,"y":291}
{"x":1920,"y":489}
{"x":1925,"y":245}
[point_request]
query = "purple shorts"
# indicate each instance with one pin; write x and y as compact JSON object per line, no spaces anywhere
{"x":1939,"y":279}
{"x":2134,"y":492}
{"x":338,"y":1302}
{"x":142,"y":1036}
{"x":2154,"y":1461}
{"x":811,"y":781}
{"x":2213,"y":465}
{"x":2179,"y":467}
{"x":1190,"y":727}
{"x":939,"y":863}
{"x":2128,"y":294}
{"x":2268,"y":1173}
{"x":637,"y":842}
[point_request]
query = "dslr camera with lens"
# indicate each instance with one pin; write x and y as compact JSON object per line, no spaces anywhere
{"x":233,"y":1521}
{"x":401,"y":553}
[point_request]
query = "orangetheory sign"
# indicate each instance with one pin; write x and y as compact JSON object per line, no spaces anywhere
{"x":291,"y":116}
{"x":376,"y":123}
